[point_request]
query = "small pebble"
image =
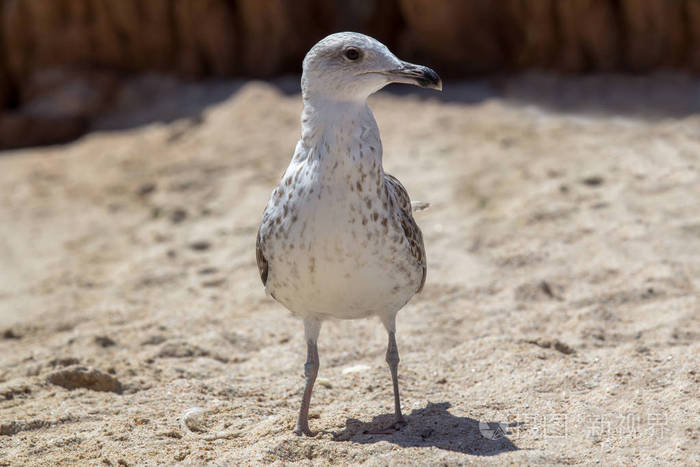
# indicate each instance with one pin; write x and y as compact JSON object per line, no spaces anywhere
{"x":324,"y":382}
{"x":200,"y":245}
{"x":355,"y":369}
{"x":104,"y":341}
{"x":593,"y":180}
{"x":192,"y":419}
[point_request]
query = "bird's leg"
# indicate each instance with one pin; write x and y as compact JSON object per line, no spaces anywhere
{"x":392,"y":358}
{"x":311,"y":331}
{"x":310,"y":372}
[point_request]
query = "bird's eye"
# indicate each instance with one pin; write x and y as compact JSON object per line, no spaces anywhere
{"x":352,"y":54}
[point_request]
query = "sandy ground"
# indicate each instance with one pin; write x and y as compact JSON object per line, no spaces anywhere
{"x":560,"y":322}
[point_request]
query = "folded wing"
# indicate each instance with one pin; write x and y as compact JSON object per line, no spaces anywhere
{"x":410,"y":228}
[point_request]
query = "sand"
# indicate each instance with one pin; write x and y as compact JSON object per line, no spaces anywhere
{"x":560,"y":321}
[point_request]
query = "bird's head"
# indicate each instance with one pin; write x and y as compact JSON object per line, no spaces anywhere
{"x":349,"y":66}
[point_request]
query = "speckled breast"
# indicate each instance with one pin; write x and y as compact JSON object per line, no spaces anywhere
{"x":334,"y":246}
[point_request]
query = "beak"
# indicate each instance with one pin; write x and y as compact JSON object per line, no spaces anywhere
{"x":419,"y":75}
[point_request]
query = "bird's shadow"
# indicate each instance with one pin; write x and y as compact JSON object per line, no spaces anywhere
{"x":433,"y":426}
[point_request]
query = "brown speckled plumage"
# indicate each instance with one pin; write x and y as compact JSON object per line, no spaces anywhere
{"x":262,"y":262}
{"x":413,"y":234}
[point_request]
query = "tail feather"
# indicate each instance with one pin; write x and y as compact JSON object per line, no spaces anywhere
{"x":419,"y":206}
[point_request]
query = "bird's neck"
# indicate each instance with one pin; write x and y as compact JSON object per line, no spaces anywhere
{"x":341,"y":132}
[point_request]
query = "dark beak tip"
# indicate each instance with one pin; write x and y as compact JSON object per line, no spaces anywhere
{"x":421,"y":75}
{"x":431,"y":79}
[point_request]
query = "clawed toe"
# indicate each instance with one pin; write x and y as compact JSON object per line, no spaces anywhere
{"x":303,"y":432}
{"x":400,"y":423}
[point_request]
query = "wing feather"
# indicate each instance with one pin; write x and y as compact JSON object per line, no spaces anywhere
{"x":410,"y":229}
{"x":260,"y":257}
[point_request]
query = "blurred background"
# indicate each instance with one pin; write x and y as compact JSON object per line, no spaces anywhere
{"x":62,"y":61}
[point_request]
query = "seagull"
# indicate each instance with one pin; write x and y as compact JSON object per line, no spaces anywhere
{"x":338,"y":239}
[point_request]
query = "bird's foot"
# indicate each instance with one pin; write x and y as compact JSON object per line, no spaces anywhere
{"x":303,"y":431}
{"x":400,"y":422}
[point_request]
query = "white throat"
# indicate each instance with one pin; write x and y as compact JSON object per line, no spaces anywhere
{"x":341,"y":134}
